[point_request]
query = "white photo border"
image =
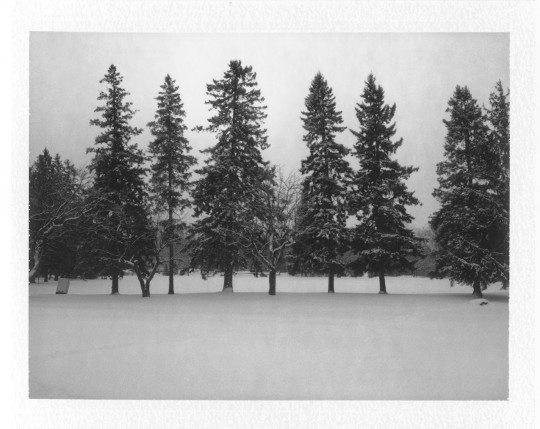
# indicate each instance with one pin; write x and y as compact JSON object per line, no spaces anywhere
{"x":162,"y":16}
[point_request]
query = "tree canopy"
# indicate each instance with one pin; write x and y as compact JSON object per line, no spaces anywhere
{"x":119,"y":229}
{"x":471,"y":219}
{"x":233,"y":170}
{"x":380,"y":197}
{"x":326,"y":173}
{"x":170,"y":153}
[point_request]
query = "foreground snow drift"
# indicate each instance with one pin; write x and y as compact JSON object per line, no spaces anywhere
{"x":253,"y":346}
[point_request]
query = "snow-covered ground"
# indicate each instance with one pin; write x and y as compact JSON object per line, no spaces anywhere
{"x":425,"y":340}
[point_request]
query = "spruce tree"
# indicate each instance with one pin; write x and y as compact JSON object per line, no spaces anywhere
{"x":233,"y":170}
{"x":382,"y":238}
{"x":498,"y":173}
{"x":326,"y":173}
{"x":171,"y":164}
{"x":466,"y":225}
{"x":122,"y":229}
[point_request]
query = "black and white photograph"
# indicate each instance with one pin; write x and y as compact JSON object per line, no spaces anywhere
{"x":309,"y":216}
{"x":271,"y":217}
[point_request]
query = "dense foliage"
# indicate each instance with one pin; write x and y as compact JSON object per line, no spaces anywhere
{"x":56,"y":205}
{"x":380,"y":197}
{"x":498,"y":119}
{"x":119,"y":228}
{"x":326,"y":174}
{"x":231,"y":174}
{"x":171,"y":167}
{"x":247,"y":216}
{"x":472,"y":224}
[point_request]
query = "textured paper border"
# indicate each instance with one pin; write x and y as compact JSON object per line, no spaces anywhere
{"x":517,"y":18}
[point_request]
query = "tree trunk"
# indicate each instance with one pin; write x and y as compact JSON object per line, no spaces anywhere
{"x":145,"y":286}
{"x":170,"y":229}
{"x":331,"y":279}
{"x":44,"y":268}
{"x":56,"y":277}
{"x":146,"y":291}
{"x":37,"y":260}
{"x":272,"y":281}
{"x":114,"y":287}
{"x":504,"y":284}
{"x":477,"y":289}
{"x":228,"y":278}
{"x":171,"y":269}
{"x":382,"y":283}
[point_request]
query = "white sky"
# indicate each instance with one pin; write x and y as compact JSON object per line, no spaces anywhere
{"x":418,"y":72}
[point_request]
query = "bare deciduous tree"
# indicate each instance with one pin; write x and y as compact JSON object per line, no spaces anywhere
{"x":266,"y":236}
{"x":60,"y":217}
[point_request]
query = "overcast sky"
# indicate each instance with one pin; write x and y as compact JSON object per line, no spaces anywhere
{"x":418,"y":72}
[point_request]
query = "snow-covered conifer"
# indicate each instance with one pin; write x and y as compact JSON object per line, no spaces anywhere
{"x":171,"y":163}
{"x":466,"y":226}
{"x":382,"y":239}
{"x":498,"y":117}
{"x":326,"y":174}
{"x":118,"y":184}
{"x":233,"y":170}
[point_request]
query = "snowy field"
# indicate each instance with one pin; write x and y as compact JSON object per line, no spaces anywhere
{"x":425,"y":340}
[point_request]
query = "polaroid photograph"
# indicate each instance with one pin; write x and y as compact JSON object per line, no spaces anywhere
{"x":281,"y":215}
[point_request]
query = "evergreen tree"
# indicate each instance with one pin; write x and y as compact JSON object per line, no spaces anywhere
{"x":498,"y":117}
{"x":233,"y":170}
{"x":170,"y":169}
{"x":466,"y":225}
{"x":326,"y":173}
{"x":121,"y":229}
{"x":382,"y":238}
{"x":56,"y":206}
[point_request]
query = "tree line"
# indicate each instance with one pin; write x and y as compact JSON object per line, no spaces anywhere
{"x":135,"y":210}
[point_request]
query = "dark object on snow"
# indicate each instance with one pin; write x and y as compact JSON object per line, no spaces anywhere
{"x":480,"y":301}
{"x":63,"y":286}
